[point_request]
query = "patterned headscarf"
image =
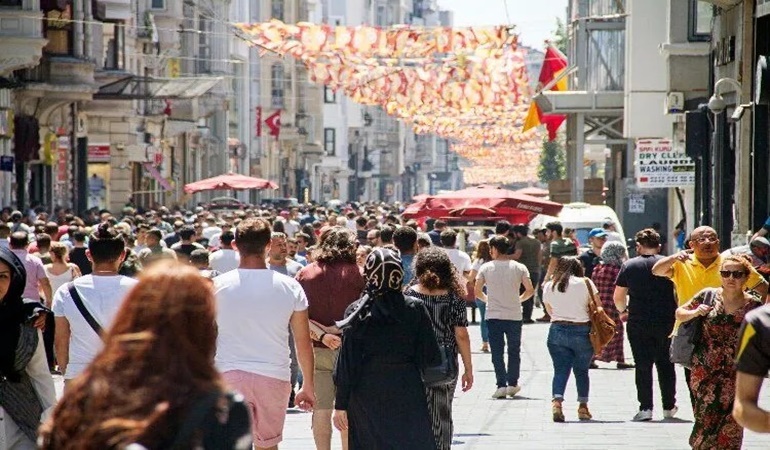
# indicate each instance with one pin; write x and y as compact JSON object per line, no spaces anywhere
{"x":384,"y":275}
{"x":613,"y":253}
{"x":383,"y":271}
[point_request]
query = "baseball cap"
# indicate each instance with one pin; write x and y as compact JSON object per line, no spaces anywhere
{"x":597,"y":232}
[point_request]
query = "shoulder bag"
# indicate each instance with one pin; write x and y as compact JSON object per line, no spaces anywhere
{"x":687,"y":334}
{"x":446,"y":371}
{"x":83,"y":310}
{"x":602,"y":326}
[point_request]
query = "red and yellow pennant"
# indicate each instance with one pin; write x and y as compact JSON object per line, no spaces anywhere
{"x":554,"y":65}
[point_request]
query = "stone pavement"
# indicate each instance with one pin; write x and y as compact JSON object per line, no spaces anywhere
{"x":525,"y":422}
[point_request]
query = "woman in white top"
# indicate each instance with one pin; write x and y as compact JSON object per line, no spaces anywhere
{"x":566,"y":299}
{"x":60,"y":271}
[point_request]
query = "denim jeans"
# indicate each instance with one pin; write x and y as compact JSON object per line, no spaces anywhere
{"x":570,"y":350}
{"x":483,"y":320}
{"x":501,"y":331}
{"x":528,"y":306}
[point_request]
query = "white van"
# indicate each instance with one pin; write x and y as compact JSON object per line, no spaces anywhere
{"x":581,"y":217}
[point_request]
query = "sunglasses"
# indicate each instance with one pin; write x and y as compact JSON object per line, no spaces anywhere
{"x":737,"y":274}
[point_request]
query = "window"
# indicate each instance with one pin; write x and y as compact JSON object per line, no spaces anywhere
{"x":158,"y":4}
{"x":330,"y":141}
{"x":329,"y":95}
{"x":113,"y":35}
{"x":699,"y":28}
{"x":276,"y":9}
{"x":203,"y":60}
{"x":276,"y":85}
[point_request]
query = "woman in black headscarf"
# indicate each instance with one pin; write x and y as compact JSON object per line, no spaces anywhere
{"x":387,"y":339}
{"x":26,"y":386}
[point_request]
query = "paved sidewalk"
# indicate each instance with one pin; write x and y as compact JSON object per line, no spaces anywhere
{"x":525,"y":422}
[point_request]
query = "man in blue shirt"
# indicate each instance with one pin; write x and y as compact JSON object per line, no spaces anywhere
{"x":405,"y":240}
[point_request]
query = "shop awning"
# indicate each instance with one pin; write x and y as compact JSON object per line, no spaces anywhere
{"x":141,"y":88}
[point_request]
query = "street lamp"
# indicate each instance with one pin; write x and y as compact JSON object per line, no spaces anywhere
{"x":717,"y":103}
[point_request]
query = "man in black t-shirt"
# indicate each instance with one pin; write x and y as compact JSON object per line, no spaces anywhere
{"x":753,"y":364}
{"x":591,"y":257}
{"x":186,"y":246}
{"x":650,"y":321}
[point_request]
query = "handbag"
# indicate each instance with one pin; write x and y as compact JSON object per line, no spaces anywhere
{"x":602,"y":326}
{"x":687,"y":334}
{"x":445,"y":372}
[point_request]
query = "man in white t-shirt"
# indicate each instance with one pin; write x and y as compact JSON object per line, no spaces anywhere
{"x":503,"y":278}
{"x":255,"y":308}
{"x":459,"y":258}
{"x":226,"y":258}
{"x":101,"y":293}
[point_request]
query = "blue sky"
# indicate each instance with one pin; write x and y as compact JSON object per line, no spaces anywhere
{"x":534,"y":20}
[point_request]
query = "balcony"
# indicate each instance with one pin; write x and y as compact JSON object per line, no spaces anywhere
{"x":113,"y":9}
{"x":21,"y":38}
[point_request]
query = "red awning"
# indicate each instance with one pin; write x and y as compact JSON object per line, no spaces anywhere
{"x":513,"y":206}
{"x":229,"y":181}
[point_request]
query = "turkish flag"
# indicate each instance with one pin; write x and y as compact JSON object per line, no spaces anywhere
{"x":258,"y":122}
{"x":273,"y":122}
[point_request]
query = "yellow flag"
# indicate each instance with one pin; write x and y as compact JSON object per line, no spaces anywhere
{"x":533,"y":117}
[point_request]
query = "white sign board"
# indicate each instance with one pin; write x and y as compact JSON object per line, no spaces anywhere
{"x":659,"y":165}
{"x":636,"y":204}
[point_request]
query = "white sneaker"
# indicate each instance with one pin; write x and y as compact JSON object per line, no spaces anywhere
{"x":511,"y":391}
{"x":500,"y":393}
{"x":644,"y":415}
{"x":670,"y":413}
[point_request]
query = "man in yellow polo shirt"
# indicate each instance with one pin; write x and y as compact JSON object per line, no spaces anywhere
{"x":697,"y":268}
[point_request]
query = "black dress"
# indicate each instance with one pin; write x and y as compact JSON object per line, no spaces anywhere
{"x":378,"y":376}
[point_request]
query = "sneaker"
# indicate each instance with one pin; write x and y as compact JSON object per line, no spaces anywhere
{"x":500,"y":393}
{"x":644,"y":415}
{"x":511,"y":391}
{"x":670,"y":413}
{"x":622,"y":366}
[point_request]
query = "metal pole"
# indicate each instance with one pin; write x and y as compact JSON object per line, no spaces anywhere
{"x":578,"y":176}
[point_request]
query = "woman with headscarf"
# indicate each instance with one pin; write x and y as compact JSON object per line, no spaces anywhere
{"x":387,"y":339}
{"x":26,"y":386}
{"x":604,"y":276}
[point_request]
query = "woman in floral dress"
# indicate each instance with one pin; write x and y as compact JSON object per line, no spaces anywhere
{"x":604,"y":277}
{"x":713,"y":366}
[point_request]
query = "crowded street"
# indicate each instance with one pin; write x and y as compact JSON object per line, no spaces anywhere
{"x":384,"y":224}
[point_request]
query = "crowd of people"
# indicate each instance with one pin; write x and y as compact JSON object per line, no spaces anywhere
{"x":182,"y":329}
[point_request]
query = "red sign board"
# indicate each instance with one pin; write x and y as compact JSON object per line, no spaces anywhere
{"x":99,"y":153}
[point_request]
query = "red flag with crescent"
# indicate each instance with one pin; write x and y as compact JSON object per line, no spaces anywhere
{"x":273,"y":123}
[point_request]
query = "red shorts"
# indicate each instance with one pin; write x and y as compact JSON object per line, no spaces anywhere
{"x":267,"y":399}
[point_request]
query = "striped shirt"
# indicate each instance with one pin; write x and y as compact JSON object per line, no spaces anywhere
{"x":446,"y":312}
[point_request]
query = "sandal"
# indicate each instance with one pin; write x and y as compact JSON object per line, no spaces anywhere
{"x":558,"y":414}
{"x":583,"y":413}
{"x":485,"y":348}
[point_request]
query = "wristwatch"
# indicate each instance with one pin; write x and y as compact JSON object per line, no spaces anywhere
{"x":321,"y":337}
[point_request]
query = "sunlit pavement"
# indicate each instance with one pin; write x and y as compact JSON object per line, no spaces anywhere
{"x":525,"y":422}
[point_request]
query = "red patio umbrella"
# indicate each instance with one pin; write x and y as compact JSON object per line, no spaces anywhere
{"x":229,"y":181}
{"x":509,"y":204}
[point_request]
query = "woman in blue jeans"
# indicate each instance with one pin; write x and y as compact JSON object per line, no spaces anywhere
{"x":480,"y":256}
{"x":566,"y":298}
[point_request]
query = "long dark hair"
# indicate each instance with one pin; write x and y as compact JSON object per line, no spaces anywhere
{"x":158,"y":359}
{"x":566,"y":267}
{"x":13,"y":313}
{"x":434,"y":270}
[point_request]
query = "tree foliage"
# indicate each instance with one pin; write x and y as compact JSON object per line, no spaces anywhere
{"x":560,"y":38}
{"x":553,"y":165}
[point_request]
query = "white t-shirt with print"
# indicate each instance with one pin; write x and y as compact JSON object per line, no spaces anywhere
{"x":254,"y":307}
{"x":102,"y":296}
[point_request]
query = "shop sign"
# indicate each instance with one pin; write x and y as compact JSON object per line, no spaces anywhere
{"x":62,"y":171}
{"x":98,"y":153}
{"x":659,"y":165}
{"x":6,"y":163}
